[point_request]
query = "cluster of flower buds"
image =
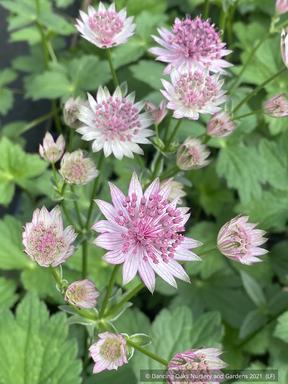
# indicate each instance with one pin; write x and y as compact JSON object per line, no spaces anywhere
{"x":192,"y":154}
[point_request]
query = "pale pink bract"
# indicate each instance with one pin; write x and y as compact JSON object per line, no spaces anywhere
{"x":109,"y":352}
{"x":105,"y":28}
{"x":115,"y":123}
{"x":82,"y":293}
{"x":220,"y":125}
{"x":281,"y":6}
{"x":192,"y":154}
{"x":193,"y":42}
{"x":276,"y":106}
{"x":284,"y":46}
{"x":143,"y":231}
{"x":240,"y":241}
{"x":45,"y":239}
{"x":157,"y":113}
{"x":197,"y":362}
{"x":51,"y":150}
{"x":193,"y":92}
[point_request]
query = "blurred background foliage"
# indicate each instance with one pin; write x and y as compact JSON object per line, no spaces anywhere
{"x":242,"y":309}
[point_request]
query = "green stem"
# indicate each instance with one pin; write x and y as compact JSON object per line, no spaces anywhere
{"x":37,"y":121}
{"x":84,"y":259}
{"x":76,"y":207}
{"x":109,"y":291}
{"x":247,"y":114}
{"x":57,"y":120}
{"x":113,"y":72}
{"x":128,"y":296}
{"x":94,"y":191}
{"x":169,"y":173}
{"x":257,"y":89}
{"x":206,"y":9}
{"x":244,"y":67}
{"x":173,"y":134}
{"x":157,"y":162}
{"x":148,"y":353}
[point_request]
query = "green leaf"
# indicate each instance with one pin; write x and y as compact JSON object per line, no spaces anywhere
{"x":49,"y":85}
{"x":136,"y":6}
{"x":281,"y":330}
{"x":149,"y":72}
{"x":133,"y":321}
{"x":11,"y":250}
{"x":56,"y":24}
{"x":6,"y":100}
{"x":63,"y":3}
{"x":7,"y":76}
{"x":44,"y":352}
{"x":252,"y":322}
{"x":8,"y":296}
{"x":253,"y":289}
{"x":16,"y":167}
{"x":241,"y":167}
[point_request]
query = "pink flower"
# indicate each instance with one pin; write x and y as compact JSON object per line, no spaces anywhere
{"x":50,"y":150}
{"x":284,"y":46}
{"x":71,"y":112}
{"x":109,"y":352}
{"x":144,"y":233}
{"x":157,"y":113}
{"x":193,"y":91}
{"x":240,"y":241}
{"x":77,"y":169}
{"x":192,"y":154}
{"x":115,"y":123}
{"x":194,"y":42}
{"x":220,"y":125}
{"x":105,"y":28}
{"x":82,"y":293}
{"x":203,"y":361}
{"x":277,"y":106}
{"x":281,"y":6}
{"x":45,"y":240}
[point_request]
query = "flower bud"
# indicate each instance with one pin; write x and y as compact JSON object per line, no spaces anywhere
{"x":276,"y":106}
{"x":76,"y":169}
{"x":109,"y":352}
{"x":281,"y":6}
{"x":45,"y":240}
{"x":157,"y":113}
{"x":192,"y":154}
{"x":239,"y":240}
{"x":220,"y":125}
{"x":82,"y":293}
{"x":176,"y":190}
{"x":50,"y":150}
{"x":284,"y":46}
{"x":71,"y":112}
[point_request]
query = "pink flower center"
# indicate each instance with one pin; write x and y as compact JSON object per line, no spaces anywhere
{"x":152,"y":227}
{"x":118,"y":119}
{"x":45,"y":243}
{"x":75,"y":172}
{"x":106,"y":24}
{"x":196,"y":39}
{"x":196,"y":89}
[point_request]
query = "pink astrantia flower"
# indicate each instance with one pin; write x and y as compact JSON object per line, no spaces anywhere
{"x":143,"y":231}
{"x":194,"y":42}
{"x":82,"y":293}
{"x":277,"y":106}
{"x":51,"y":150}
{"x":240,"y":240}
{"x":77,"y":169}
{"x":281,"y":6}
{"x":109,"y":352}
{"x":203,"y":361}
{"x":45,"y":239}
{"x":220,"y":125}
{"x":157,"y":113}
{"x":192,"y":154}
{"x":193,"y":91}
{"x":284,"y":46}
{"x":105,"y":28}
{"x":115,"y":123}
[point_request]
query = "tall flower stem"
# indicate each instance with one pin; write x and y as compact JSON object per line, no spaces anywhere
{"x":109,"y":291}
{"x":148,"y":353}
{"x":173,"y":134}
{"x":113,"y":72}
{"x":77,"y":209}
{"x":257,"y":89}
{"x":244,"y":67}
{"x":84,"y":259}
{"x":128,"y":296}
{"x":247,"y":114}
